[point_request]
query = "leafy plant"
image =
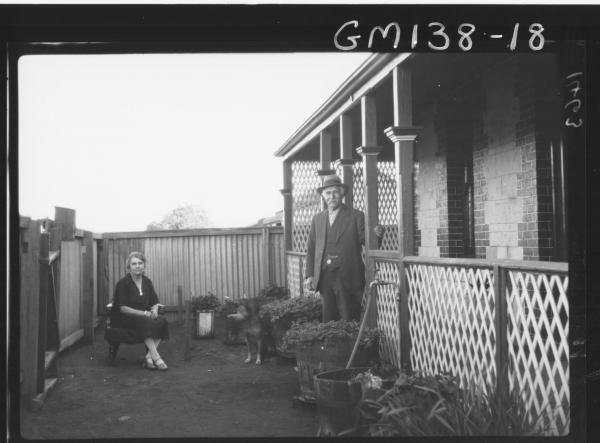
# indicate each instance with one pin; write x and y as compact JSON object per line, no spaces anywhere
{"x":434,"y":405}
{"x":304,"y":335}
{"x":273,"y":291}
{"x":208,"y":302}
{"x":287,"y":311}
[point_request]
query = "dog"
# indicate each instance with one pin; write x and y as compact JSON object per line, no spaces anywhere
{"x":254,"y":331}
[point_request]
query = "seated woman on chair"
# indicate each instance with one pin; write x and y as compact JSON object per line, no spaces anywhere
{"x":136,"y":307}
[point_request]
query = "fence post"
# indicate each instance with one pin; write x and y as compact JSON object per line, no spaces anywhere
{"x":179,"y":304}
{"x":187,"y":330}
{"x":44,"y":292}
{"x":266,"y":256}
{"x":404,"y":318}
{"x":87,"y":287}
{"x":501,"y":329}
{"x":301,"y":265}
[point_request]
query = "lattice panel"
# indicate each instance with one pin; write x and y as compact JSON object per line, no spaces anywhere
{"x":538,"y":347}
{"x":388,"y":204}
{"x":294,"y":275}
{"x":358,"y":186}
{"x":452,"y":322}
{"x":306,"y":201}
{"x":388,"y":314}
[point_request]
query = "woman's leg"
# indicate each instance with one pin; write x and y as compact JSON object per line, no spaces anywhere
{"x":152,"y":351}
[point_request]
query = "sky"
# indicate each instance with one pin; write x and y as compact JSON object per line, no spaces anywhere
{"x":124,"y":139}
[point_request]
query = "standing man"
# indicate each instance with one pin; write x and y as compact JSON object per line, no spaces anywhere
{"x":334,"y":264}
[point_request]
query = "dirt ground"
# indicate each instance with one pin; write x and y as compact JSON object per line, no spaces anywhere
{"x":214,"y":394}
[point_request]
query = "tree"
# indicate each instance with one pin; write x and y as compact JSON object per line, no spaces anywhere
{"x":182,"y":217}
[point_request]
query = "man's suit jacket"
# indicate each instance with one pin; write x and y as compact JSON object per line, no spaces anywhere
{"x":350,"y":240}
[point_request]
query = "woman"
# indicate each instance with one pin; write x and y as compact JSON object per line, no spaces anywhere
{"x":136,"y":305}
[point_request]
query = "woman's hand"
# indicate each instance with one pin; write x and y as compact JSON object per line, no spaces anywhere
{"x":153,"y":314}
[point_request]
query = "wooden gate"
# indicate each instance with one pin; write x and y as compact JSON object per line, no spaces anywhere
{"x":70,"y":325}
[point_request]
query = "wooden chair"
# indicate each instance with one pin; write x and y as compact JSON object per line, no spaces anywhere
{"x":115,"y":336}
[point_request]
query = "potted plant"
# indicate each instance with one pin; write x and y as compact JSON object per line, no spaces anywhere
{"x":327,"y":346}
{"x":281,"y":314}
{"x":275,"y":292}
{"x":204,"y":307}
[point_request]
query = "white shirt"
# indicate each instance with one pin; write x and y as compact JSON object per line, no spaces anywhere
{"x":333,"y":215}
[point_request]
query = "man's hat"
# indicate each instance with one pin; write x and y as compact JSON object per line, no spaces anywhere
{"x":332,"y":180}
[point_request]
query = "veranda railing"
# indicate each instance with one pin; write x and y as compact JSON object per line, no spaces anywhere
{"x":502,"y":323}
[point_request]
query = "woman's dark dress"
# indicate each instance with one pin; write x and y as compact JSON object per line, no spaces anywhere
{"x":136,"y":328}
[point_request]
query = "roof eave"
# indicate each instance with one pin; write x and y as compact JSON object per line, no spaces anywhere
{"x":348,"y":88}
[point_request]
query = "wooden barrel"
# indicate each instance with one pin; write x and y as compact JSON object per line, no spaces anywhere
{"x":337,"y":399}
{"x":320,"y":358}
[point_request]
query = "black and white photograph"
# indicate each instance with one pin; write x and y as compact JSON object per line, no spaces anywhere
{"x":301,"y":220}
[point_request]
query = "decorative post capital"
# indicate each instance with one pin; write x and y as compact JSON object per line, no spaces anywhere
{"x":369,"y":150}
{"x":324,"y":172}
{"x":402,"y":133}
{"x":344,"y":162}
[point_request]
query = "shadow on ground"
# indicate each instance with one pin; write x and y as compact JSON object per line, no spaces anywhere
{"x":214,"y":394}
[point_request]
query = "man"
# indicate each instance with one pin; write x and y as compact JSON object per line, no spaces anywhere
{"x":334,"y":264}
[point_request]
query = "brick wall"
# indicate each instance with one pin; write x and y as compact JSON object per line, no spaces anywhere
{"x":454,"y":129}
{"x":430,"y":189}
{"x":504,"y":120}
{"x":502,"y":165}
{"x":538,"y":118}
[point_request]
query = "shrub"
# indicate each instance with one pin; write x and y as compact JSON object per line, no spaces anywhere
{"x":304,"y":335}
{"x":287,"y":311}
{"x":272,"y":291}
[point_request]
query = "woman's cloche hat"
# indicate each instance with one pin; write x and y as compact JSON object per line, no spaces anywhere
{"x":332,"y":180}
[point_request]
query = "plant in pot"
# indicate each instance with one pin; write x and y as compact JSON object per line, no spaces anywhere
{"x":327,"y":346}
{"x":204,"y":307}
{"x":281,"y":314}
{"x":274,"y":292}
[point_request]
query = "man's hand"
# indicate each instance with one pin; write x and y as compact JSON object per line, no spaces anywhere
{"x":378,"y":230}
{"x":308,"y":284}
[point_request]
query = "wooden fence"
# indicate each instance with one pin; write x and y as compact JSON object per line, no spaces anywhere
{"x":68,"y":275}
{"x":226,"y":262}
{"x":58,"y":295}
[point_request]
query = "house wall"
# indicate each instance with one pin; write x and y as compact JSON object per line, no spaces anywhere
{"x":430,"y":187}
{"x":501,"y":118}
